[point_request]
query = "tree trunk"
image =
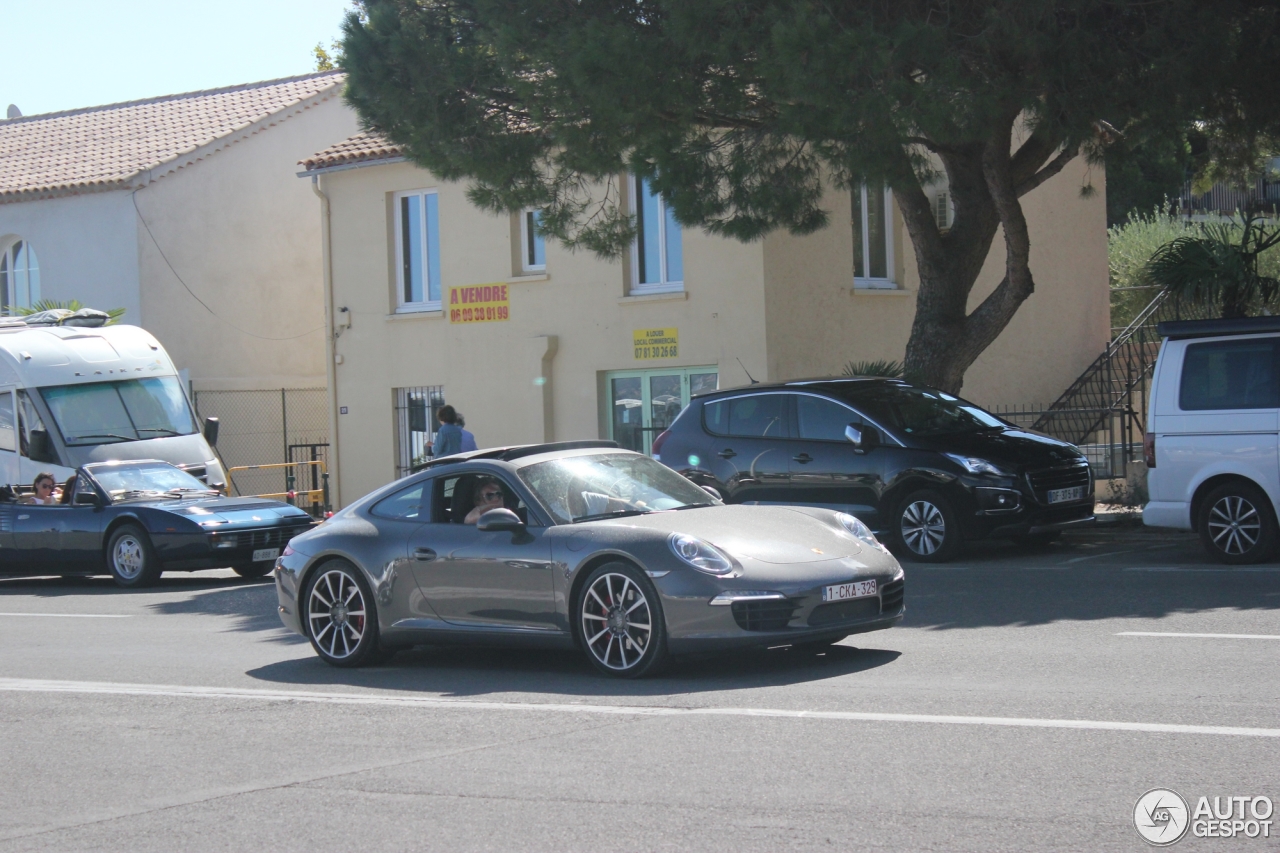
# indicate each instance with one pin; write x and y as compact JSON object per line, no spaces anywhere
{"x":985,"y":183}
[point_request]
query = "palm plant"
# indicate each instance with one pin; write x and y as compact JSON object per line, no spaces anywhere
{"x":1214,"y":269}
{"x":51,"y":304}
{"x":880,"y":367}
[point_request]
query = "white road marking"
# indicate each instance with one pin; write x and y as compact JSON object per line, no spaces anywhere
{"x":34,"y":685}
{"x":75,"y":615}
{"x":1202,"y":636}
{"x":1215,"y":569}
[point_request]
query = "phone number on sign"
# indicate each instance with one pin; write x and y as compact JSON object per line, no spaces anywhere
{"x":658,"y":352}
{"x":479,"y":314}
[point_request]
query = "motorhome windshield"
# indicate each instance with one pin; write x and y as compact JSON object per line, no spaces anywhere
{"x":128,"y":410}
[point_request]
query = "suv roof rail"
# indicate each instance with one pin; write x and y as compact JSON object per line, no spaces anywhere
{"x":1178,"y":329}
{"x":511,"y":452}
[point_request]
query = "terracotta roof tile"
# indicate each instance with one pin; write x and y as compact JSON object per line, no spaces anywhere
{"x":99,"y":148}
{"x":363,"y":147}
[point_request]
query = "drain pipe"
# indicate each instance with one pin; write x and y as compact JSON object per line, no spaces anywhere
{"x":330,"y":345}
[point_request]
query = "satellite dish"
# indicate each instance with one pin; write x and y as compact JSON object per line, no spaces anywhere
{"x":14,"y":112}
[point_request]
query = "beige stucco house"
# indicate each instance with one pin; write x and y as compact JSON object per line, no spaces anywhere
{"x":434,"y":300}
{"x":185,"y":211}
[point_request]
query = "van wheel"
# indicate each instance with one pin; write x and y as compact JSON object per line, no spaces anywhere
{"x":1237,"y":524}
{"x":130,"y":557}
{"x":926,"y":527}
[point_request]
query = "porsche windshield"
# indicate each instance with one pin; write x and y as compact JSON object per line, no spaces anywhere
{"x":146,"y":480}
{"x":128,"y":410}
{"x":582,"y":488}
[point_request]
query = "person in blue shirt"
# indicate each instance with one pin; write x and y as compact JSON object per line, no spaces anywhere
{"x":468,"y":440}
{"x":449,"y":436}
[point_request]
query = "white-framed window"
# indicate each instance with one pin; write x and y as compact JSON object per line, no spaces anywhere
{"x":19,"y":277}
{"x":873,"y":237}
{"x":657,"y":258}
{"x":533,"y":248}
{"x":417,"y":251}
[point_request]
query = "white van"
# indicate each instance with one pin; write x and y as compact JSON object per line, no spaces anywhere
{"x":1211,"y":442}
{"x":71,"y":395}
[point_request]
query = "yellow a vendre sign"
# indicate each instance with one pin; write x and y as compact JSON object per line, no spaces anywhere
{"x":656,"y":343}
{"x":479,"y":303}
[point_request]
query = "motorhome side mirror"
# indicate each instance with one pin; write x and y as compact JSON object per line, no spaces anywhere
{"x":500,"y":519}
{"x":40,"y":447}
{"x":211,"y":431}
{"x":862,"y":437}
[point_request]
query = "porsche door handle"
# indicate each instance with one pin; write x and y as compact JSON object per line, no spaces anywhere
{"x":802,"y":458}
{"x":727,"y":453}
{"x":424,"y":554}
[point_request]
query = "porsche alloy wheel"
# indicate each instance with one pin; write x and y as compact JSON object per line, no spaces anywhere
{"x":342,"y":623}
{"x":621,"y":621}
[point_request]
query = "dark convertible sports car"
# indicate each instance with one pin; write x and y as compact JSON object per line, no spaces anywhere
{"x":139,"y":518}
{"x":579,"y":544}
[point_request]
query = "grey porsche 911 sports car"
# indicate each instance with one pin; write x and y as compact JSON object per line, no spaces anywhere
{"x":578,"y":544}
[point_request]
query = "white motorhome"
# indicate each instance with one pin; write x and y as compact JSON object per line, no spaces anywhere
{"x":70,"y":395}
{"x":1211,"y":442}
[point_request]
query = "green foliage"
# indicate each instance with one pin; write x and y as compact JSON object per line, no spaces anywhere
{"x":1218,"y":266}
{"x":1130,"y":247}
{"x":327,"y":60}
{"x":878,"y":367}
{"x":71,"y":305}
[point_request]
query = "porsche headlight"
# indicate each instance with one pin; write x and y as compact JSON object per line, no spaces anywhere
{"x":703,"y":556}
{"x":859,"y":530}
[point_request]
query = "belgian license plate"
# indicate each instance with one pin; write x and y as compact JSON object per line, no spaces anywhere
{"x":265,"y":554}
{"x":1057,"y":496}
{"x":842,"y":591}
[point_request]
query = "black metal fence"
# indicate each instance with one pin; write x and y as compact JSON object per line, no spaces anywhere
{"x":416,"y":409}
{"x":266,"y":427}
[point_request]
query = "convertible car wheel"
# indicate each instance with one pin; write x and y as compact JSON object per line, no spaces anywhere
{"x":253,"y":570}
{"x":927,"y":528}
{"x":130,"y":557}
{"x":621,"y":620}
{"x":341,"y":619}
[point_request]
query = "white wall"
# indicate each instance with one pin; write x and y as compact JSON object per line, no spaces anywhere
{"x":86,"y":246}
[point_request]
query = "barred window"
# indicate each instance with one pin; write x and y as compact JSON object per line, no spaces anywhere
{"x":416,"y":422}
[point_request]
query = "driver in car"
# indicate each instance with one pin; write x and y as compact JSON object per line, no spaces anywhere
{"x":488,"y":495}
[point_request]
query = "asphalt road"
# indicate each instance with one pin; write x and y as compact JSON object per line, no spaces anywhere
{"x":1019,"y":707}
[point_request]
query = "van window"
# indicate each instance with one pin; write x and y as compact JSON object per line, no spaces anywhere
{"x":1229,"y":375}
{"x":755,"y":416}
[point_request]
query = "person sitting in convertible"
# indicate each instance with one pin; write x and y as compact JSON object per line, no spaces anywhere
{"x":45,"y":491}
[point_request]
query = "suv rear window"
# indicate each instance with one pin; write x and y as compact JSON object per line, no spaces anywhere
{"x":756,"y":416}
{"x":1229,"y":375}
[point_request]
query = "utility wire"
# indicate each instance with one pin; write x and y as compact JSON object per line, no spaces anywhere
{"x":133,"y":196}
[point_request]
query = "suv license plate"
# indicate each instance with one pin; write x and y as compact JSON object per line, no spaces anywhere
{"x":842,"y":591}
{"x":265,"y":554}
{"x":1057,"y":496}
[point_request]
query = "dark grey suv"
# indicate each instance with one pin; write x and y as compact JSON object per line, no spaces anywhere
{"x":926,"y":468}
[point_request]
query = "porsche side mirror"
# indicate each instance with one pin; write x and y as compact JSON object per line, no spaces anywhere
{"x":862,"y":437}
{"x":713,"y":491}
{"x":211,"y":431}
{"x":500,"y":519}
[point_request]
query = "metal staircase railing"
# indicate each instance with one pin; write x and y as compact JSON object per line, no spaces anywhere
{"x":1107,"y":402}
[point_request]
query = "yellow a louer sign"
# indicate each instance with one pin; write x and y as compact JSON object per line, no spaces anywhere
{"x":656,"y":343}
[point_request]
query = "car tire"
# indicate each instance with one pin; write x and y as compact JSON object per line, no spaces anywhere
{"x":340,"y":617}
{"x":1237,"y":524}
{"x":616,"y":637}
{"x":925,"y":527}
{"x":130,"y":557}
{"x":253,"y":570}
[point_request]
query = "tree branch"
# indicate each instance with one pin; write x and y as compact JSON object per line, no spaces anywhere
{"x":1053,"y":167}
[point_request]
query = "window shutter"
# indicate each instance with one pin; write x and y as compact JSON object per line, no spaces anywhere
{"x":941,"y":210}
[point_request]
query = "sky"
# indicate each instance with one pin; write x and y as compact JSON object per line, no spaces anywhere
{"x":64,"y":54}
